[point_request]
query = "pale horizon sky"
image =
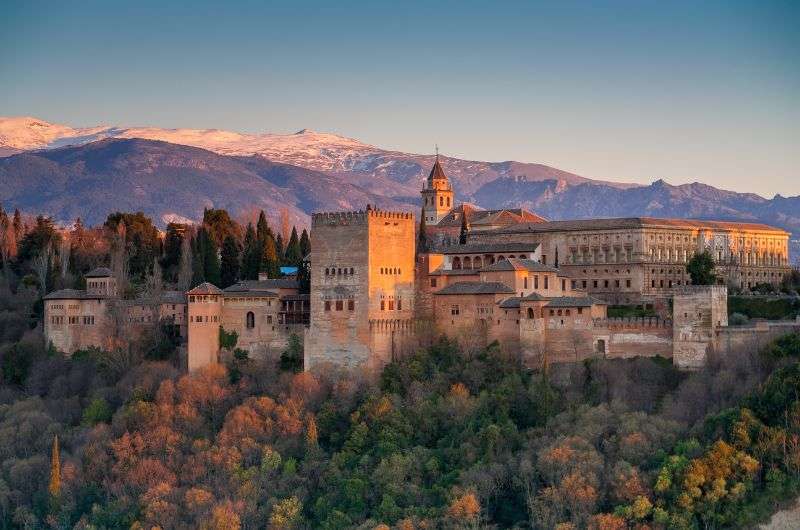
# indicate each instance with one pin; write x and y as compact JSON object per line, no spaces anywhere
{"x":629,"y":91}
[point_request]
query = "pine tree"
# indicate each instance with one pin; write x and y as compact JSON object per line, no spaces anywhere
{"x":462,"y":237}
{"x":230,"y":262}
{"x":293,"y":253}
{"x":54,"y":488}
{"x":17,"y":225}
{"x":422,"y":237}
{"x":305,"y":244}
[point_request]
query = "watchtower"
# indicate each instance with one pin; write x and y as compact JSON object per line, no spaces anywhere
{"x":362,"y":287}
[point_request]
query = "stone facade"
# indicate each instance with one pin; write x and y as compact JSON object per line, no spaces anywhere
{"x":638,"y":260}
{"x":362,"y":287}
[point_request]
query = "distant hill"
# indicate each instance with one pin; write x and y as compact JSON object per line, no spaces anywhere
{"x":167,"y":181}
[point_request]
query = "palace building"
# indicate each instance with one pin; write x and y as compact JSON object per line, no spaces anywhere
{"x":539,"y":288}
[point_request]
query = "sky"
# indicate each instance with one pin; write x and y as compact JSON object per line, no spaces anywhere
{"x":625,"y":91}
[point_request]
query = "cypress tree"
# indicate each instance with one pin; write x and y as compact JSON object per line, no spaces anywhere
{"x":269,"y":259}
{"x":280,"y":250}
{"x":422,"y":238}
{"x":462,"y":237}
{"x":305,"y":244}
{"x":198,"y":268}
{"x":262,"y":227}
{"x":293,"y":253}
{"x":230,"y":262}
{"x":211,"y":266}
{"x":54,"y":488}
{"x":251,"y":255}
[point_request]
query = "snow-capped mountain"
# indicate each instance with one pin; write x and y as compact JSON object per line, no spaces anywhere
{"x":388,"y":172}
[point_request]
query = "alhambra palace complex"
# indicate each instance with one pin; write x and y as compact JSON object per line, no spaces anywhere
{"x":540,"y":288}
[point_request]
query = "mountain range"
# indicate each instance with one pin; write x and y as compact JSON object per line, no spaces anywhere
{"x":174,"y":173}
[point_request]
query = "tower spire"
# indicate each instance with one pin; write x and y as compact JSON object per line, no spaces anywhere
{"x":437,"y":152}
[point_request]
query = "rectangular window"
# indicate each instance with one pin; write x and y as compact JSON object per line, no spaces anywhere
{"x":583,"y":283}
{"x":536,"y":282}
{"x":580,"y":310}
{"x":627,"y":283}
{"x":525,"y":282}
{"x":433,"y":282}
{"x":351,"y":305}
{"x":544,"y":259}
{"x":594,"y":284}
{"x":399,"y":304}
{"x":454,"y":310}
{"x":383,"y":305}
{"x":563,"y":285}
{"x":339,"y":305}
{"x":269,"y":319}
{"x":327,"y":305}
{"x":391,"y":305}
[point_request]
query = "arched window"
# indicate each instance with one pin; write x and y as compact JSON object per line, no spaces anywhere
{"x":327,"y":271}
{"x":250,"y":320}
{"x":456,"y":263}
{"x":448,"y":201}
{"x":467,"y":262}
{"x":351,"y":270}
{"x":441,"y":201}
{"x":530,"y":312}
{"x":477,"y":263}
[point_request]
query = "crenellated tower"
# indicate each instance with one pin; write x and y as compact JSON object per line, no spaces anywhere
{"x":437,"y":195}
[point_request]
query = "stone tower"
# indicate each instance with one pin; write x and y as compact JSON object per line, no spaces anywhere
{"x":362,"y":288}
{"x":437,"y":195}
{"x":205,"y":312}
{"x":698,"y":312}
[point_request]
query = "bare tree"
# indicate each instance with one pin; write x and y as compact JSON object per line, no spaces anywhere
{"x":42,"y":266}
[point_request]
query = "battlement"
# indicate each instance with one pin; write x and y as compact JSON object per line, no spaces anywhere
{"x":699,"y":289}
{"x":360,"y":217}
{"x":633,"y":323}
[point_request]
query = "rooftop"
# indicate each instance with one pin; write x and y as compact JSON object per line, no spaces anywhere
{"x":487,"y":248}
{"x":633,"y":222}
{"x":517,"y":264}
{"x":99,"y":272}
{"x":477,"y":217}
{"x":574,"y":301}
{"x":455,"y":272}
{"x":73,"y":294}
{"x":476,"y":288}
{"x":205,"y":288}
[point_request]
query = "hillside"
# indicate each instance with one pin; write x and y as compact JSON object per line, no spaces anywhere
{"x":166,"y":181}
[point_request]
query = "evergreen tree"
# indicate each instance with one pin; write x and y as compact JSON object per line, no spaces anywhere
{"x":198,"y":268}
{"x":54,"y":488}
{"x":230,"y":262}
{"x":280,"y":250}
{"x":422,"y":237}
{"x":184,"y":278}
{"x":269,"y":258}
{"x":293,"y":253}
{"x":262,"y":228}
{"x":211,"y":266}
{"x":462,"y":237}
{"x":171,"y":258}
{"x":701,"y":268}
{"x":304,"y":277}
{"x":305,"y":244}
{"x":251,"y":254}
{"x":16,"y":224}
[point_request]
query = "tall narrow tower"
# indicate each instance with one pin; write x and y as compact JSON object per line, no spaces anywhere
{"x":437,"y":196}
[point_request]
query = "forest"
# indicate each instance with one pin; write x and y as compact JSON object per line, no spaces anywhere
{"x":445,"y":438}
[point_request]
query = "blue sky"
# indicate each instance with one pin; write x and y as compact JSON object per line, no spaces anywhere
{"x":628,"y":91}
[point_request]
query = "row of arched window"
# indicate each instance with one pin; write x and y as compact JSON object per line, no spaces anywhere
{"x":339,"y":271}
{"x":390,"y":270}
{"x":443,"y":201}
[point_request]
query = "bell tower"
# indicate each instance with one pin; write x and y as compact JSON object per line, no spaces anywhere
{"x":437,"y":196}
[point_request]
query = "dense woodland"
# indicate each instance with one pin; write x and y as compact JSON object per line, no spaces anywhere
{"x":446,"y":438}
